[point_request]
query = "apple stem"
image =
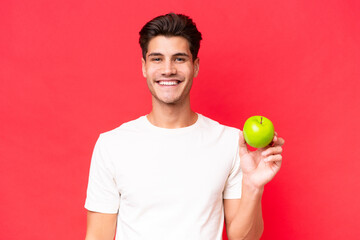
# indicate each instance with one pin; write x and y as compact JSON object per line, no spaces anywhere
{"x":261,"y":121}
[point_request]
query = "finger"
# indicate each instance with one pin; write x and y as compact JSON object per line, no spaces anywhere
{"x":274,"y":140}
{"x":243,"y":149}
{"x":273,"y":158}
{"x":275,"y":166}
{"x":280,"y":141}
{"x":272,"y":151}
{"x":277,"y":141}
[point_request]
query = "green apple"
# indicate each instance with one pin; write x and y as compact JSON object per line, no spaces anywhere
{"x":258,"y":131}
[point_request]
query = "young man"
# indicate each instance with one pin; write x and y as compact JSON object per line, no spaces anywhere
{"x":174,"y":173}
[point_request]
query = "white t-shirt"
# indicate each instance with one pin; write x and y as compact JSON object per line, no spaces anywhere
{"x":165,"y":183}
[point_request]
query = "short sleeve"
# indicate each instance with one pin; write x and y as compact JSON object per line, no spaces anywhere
{"x":234,"y":182}
{"x":102,"y":193}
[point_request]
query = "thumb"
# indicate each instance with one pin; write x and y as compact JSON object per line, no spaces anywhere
{"x":243,"y":149}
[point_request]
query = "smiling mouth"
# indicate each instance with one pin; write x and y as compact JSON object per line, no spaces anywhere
{"x":168,"y":82}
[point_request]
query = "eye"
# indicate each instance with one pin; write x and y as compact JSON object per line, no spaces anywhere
{"x":155,"y":59}
{"x":179,"y":59}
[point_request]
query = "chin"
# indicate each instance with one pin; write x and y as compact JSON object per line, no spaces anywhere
{"x":168,"y":101}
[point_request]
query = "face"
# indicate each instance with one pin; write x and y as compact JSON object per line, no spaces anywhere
{"x":169,"y":69}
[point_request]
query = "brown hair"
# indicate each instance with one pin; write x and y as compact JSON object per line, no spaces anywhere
{"x":171,"y":25}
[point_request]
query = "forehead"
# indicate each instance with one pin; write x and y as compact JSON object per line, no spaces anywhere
{"x":168,"y":45}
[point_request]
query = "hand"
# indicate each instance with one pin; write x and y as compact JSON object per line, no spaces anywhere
{"x":260,"y":166}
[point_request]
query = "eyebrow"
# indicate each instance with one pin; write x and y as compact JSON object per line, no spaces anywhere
{"x":181,"y":54}
{"x":160,"y":54}
{"x":154,"y":54}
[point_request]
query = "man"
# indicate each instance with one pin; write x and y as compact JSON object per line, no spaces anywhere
{"x":174,"y":173}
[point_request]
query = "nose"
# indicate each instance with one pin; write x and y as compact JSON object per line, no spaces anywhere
{"x":169,"y":68}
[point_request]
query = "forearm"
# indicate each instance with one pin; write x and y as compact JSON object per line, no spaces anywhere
{"x":247,"y":222}
{"x":100,"y":226}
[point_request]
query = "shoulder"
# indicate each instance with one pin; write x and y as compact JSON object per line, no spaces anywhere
{"x":123,"y":132}
{"x":224,"y":135}
{"x":210,"y":124}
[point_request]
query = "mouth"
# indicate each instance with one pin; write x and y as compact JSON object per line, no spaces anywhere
{"x":170,"y":82}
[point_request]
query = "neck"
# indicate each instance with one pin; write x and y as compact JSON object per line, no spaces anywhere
{"x":172,"y":115}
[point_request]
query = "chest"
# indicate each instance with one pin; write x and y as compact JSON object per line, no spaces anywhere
{"x":152,"y":171}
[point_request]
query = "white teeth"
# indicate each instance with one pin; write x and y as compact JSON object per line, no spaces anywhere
{"x":168,"y":83}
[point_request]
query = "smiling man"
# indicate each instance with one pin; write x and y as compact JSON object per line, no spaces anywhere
{"x":174,"y":173}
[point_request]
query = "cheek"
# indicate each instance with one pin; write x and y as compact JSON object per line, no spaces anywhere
{"x":190,"y":73}
{"x":151,"y":72}
{"x":186,"y":71}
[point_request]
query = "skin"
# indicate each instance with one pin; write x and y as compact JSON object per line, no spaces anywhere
{"x":169,"y":59}
{"x":100,"y":226}
{"x":243,"y":217}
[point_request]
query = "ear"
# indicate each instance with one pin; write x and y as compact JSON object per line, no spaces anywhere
{"x":196,"y":67}
{"x":143,"y":63}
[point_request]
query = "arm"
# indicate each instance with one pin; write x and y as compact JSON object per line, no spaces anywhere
{"x":243,"y":217}
{"x":100,"y":226}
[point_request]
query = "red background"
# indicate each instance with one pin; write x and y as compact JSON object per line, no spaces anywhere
{"x":70,"y":70}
